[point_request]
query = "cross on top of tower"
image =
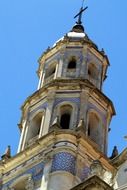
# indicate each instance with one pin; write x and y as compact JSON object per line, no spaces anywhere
{"x":79,"y":15}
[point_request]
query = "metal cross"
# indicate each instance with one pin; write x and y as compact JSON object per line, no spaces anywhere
{"x":79,"y":15}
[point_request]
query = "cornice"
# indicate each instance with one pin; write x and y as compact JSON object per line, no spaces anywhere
{"x":65,"y":42}
{"x":46,"y":144}
{"x":72,"y":84}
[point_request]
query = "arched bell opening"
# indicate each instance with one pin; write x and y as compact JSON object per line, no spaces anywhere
{"x":65,"y":116}
{"x":34,"y":128}
{"x":72,"y":64}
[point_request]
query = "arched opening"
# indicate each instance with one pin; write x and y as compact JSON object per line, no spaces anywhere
{"x":34,"y":127}
{"x":65,"y":112}
{"x":65,"y":121}
{"x":93,"y":127}
{"x":72,"y":64}
{"x":36,"y":124}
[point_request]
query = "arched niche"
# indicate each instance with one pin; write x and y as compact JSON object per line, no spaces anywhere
{"x":72,"y":63}
{"x":50,"y":72}
{"x":94,"y":127}
{"x":63,"y":108}
{"x":92,"y":72}
{"x":35,"y":126}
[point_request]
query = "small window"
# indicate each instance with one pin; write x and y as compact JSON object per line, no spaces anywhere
{"x":65,"y":119}
{"x":72,"y":64}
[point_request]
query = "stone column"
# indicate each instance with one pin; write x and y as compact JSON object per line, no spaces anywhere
{"x":22,"y":136}
{"x":56,"y":72}
{"x":60,"y":66}
{"x":46,"y":174}
{"x":83,"y":106}
{"x":42,"y":124}
{"x":83,"y":70}
{"x":108,"y":120}
{"x":40,"y":80}
{"x":49,"y":110}
{"x":25,"y":134}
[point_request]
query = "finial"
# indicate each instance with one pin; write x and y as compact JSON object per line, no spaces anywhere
{"x":125,"y":137}
{"x":7,"y":153}
{"x":114,"y":152}
{"x":103,"y":51}
{"x":79,"y":15}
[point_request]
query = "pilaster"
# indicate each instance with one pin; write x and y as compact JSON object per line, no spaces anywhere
{"x":46,"y":174}
{"x":50,"y":100}
{"x":83,"y":106}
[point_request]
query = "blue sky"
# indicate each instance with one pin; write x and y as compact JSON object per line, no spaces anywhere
{"x":27,"y":28}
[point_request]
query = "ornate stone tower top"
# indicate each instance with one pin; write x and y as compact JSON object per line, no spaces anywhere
{"x":64,"y":124}
{"x":71,"y":75}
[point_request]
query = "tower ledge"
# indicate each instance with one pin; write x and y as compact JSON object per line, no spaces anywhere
{"x":48,"y":146}
{"x":77,"y":84}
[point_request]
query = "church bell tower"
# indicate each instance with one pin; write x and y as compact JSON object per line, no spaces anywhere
{"x":65,"y":123}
